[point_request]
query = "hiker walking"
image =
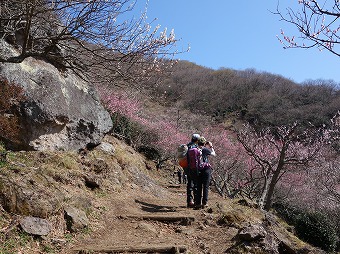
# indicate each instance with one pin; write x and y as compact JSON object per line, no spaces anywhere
{"x":204,"y":175}
{"x":190,"y":177}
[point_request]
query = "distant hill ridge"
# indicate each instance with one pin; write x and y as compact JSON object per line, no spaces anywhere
{"x":261,"y":98}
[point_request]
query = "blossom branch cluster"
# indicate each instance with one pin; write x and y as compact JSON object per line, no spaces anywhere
{"x":317,"y":23}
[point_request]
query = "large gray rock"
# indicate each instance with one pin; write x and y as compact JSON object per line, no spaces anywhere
{"x":252,"y":233}
{"x":62,"y":111}
{"x":76,"y":219}
{"x":35,"y":226}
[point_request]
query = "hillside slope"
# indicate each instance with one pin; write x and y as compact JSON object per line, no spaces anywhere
{"x":131,"y":208}
{"x":260,"y":98}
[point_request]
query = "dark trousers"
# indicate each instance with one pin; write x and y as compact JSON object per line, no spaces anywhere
{"x":190,"y":189}
{"x":195,"y":178}
{"x":185,"y":177}
{"x":202,"y":184}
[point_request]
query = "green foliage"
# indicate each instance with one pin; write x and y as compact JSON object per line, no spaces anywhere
{"x":312,"y":227}
{"x":2,"y":163}
{"x":287,"y":212}
{"x":3,"y":155}
{"x":69,"y":237}
{"x":2,"y":147}
{"x":150,"y":152}
{"x":86,"y":230}
{"x":133,"y":133}
{"x":315,"y":228}
{"x":48,"y":249}
{"x":123,"y":127}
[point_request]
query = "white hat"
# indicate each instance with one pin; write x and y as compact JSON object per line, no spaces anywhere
{"x":195,"y":136}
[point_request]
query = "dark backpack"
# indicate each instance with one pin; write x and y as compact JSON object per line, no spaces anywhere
{"x":194,"y":159}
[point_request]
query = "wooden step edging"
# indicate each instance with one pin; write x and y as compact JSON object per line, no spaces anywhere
{"x":187,"y":220}
{"x":140,"y":249}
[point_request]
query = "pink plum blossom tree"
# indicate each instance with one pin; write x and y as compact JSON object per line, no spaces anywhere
{"x":228,"y":165}
{"x":163,"y":133}
{"x":276,"y":152}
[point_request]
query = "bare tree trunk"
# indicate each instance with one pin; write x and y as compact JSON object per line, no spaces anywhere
{"x":270,"y":191}
{"x":264,"y":193}
{"x":275,"y":178}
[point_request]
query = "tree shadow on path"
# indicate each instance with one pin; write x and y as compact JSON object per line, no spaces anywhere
{"x":152,"y":208}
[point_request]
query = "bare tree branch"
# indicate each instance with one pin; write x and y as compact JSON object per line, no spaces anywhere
{"x":99,"y":40}
{"x":317,"y":23}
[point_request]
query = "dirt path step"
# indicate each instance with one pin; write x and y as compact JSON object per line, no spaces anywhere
{"x":183,"y":219}
{"x":134,"y":249}
{"x":173,"y":186}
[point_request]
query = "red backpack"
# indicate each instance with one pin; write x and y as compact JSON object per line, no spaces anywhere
{"x":182,"y":155}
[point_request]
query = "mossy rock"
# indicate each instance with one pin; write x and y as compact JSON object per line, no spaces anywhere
{"x":231,"y":219}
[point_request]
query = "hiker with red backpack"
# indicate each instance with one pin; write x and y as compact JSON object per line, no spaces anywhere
{"x":204,"y":175}
{"x":193,"y":158}
{"x":182,"y":154}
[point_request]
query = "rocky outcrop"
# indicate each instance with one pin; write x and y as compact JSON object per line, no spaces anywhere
{"x":268,"y":238}
{"x":29,"y":194}
{"x":42,"y":182}
{"x":62,"y":111}
{"x":252,"y":233}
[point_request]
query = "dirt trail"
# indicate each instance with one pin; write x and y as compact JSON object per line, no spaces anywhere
{"x":139,"y":222}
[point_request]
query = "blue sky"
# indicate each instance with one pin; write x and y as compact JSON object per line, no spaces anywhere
{"x":240,"y":34}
